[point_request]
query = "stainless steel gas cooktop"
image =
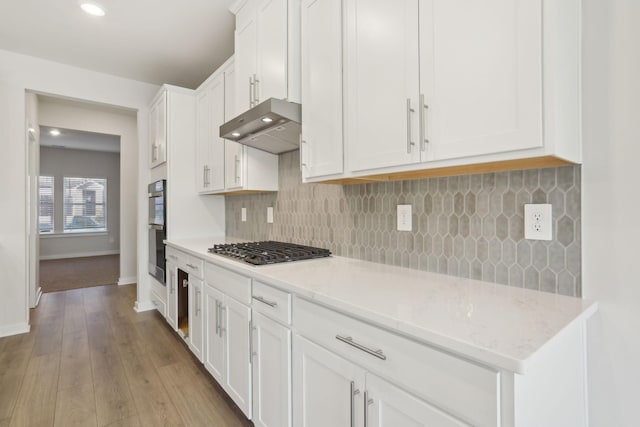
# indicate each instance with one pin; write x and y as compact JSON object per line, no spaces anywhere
{"x":268,"y":252}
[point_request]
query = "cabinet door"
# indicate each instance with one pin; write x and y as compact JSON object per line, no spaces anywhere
{"x":321,"y":150}
{"x":234,"y":165}
{"x":245,"y":56}
{"x":214,"y":342}
{"x":481,"y":74}
{"x":327,"y":389}
{"x":172,"y":295}
{"x":196,"y":316}
{"x":272,"y":20}
{"x":237,"y":378}
{"x":216,"y":149}
{"x":271,"y":373}
{"x":389,"y":406}
{"x":158,"y":130}
{"x":382,"y":60}
{"x":203,"y":139}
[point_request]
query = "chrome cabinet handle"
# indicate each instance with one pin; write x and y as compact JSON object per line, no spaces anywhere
{"x":409,"y":111}
{"x":303,"y":148}
{"x":423,"y":132}
{"x":172,"y":288}
{"x":173,"y":257}
{"x":197,"y":302}
{"x":154,"y":151}
{"x":193,"y":267}
{"x":204,"y":176}
{"x":251,"y":90}
{"x":348,"y":340}
{"x":185,"y":283}
{"x":352,"y":395}
{"x":265,"y":301}
{"x":367,"y":402}
{"x":217,"y":317}
{"x":256,"y":85}
{"x":237,"y":168}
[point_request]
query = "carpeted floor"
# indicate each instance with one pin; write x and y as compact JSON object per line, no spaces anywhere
{"x":73,"y":273}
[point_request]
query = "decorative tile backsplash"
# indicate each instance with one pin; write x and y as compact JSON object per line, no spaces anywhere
{"x":467,"y":226}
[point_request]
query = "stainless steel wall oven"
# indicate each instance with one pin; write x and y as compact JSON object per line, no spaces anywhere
{"x":157,"y":229}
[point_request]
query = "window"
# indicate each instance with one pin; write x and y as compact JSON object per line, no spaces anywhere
{"x":85,"y":204}
{"x":45,"y":210}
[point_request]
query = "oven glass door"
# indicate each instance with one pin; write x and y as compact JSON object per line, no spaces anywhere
{"x":156,"y":209}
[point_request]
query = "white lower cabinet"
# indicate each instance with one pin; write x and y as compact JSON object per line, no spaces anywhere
{"x":390,"y":406}
{"x":327,"y":389}
{"x":196,"y":317}
{"x":227,"y":354}
{"x":271,"y":373}
{"x":172,"y":295}
{"x":330,"y":390}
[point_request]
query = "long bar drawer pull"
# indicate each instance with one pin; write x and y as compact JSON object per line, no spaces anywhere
{"x":264,"y":301}
{"x":193,"y":267}
{"x":348,"y":340}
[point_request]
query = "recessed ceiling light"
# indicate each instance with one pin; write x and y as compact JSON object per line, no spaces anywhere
{"x":93,"y":8}
{"x":267,"y":119}
{"x":236,"y":134}
{"x":54,"y":132}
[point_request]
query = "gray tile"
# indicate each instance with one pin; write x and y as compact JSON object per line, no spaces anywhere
{"x":565,"y":231}
{"x":467,"y":225}
{"x":531,"y":278}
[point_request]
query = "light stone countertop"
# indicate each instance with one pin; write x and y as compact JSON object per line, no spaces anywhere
{"x":498,"y":325}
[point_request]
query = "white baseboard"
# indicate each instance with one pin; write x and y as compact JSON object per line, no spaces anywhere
{"x":141,"y":306}
{"x":79,"y":254}
{"x":18,"y":328}
{"x":127,"y":280}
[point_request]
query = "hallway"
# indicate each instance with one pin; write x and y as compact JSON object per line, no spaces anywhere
{"x":91,"y":360}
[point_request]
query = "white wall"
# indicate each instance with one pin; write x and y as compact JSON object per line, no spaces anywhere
{"x":33,"y":161}
{"x":82,"y":116}
{"x":19,"y":73}
{"x":61,"y":162}
{"x":611,"y":207}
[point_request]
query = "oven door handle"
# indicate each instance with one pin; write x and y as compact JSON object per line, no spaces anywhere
{"x":156,"y":227}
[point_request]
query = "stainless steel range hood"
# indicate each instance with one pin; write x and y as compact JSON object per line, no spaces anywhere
{"x":272,"y":126}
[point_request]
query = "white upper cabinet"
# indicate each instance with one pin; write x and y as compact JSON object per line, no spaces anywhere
{"x":158,"y":130}
{"x":321,"y":148}
{"x":210,"y":147}
{"x":480,"y":74}
{"x":224,"y":166}
{"x":433,"y":84}
{"x":266,"y":51}
{"x":382,"y":83}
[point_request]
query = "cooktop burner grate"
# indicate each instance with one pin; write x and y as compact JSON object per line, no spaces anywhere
{"x":268,"y":252}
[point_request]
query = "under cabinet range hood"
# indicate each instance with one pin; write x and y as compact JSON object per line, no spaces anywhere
{"x":272,"y":126}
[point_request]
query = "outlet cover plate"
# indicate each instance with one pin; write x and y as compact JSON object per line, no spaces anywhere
{"x":270,"y":215}
{"x":243,"y":214}
{"x":404,"y":218}
{"x":538,"y":222}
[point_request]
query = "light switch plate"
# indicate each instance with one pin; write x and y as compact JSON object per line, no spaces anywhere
{"x":243,"y":214}
{"x":404,"y":218}
{"x":538,"y":222}
{"x":270,"y":215}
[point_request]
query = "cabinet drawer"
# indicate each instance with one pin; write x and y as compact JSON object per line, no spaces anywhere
{"x":271,"y":302}
{"x":231,"y":283}
{"x":187,"y":263}
{"x":461,"y":388}
{"x":161,"y":305}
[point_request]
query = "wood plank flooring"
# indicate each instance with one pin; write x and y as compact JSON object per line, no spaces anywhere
{"x":91,"y":360}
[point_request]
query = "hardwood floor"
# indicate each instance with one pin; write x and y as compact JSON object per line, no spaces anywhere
{"x":91,"y":360}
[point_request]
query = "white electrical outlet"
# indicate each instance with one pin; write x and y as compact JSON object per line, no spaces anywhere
{"x":269,"y":215}
{"x":243,"y":214}
{"x":404,"y":218}
{"x":538,"y":222}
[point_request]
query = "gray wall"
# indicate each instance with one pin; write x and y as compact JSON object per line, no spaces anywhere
{"x":59,"y":162}
{"x":467,"y":226}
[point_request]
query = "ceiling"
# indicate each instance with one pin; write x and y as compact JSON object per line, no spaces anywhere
{"x":79,"y":140}
{"x":167,"y":41}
